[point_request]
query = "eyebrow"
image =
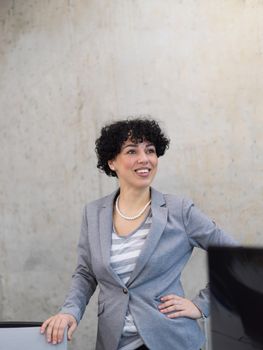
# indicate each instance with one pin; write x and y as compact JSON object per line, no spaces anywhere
{"x":136,"y":145}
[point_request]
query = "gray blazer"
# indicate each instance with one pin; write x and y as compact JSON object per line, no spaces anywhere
{"x":177,"y":227}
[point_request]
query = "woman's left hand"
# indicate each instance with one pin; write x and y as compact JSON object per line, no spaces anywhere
{"x":178,"y":307}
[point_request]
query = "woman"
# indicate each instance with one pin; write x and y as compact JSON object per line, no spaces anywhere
{"x":134,"y":244}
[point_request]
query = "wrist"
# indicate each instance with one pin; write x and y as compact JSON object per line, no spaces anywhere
{"x":202,"y":315}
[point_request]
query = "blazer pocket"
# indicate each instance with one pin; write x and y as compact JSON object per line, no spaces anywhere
{"x":100,"y":309}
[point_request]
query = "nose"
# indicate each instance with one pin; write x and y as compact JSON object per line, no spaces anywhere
{"x":142,"y":157}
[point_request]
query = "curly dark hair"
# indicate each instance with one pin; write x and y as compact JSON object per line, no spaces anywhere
{"x":113,"y":135}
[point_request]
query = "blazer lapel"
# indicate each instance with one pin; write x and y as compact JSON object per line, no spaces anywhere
{"x":159,"y":220}
{"x":105,"y":232}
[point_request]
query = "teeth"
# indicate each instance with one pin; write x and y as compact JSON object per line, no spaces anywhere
{"x":142,"y":171}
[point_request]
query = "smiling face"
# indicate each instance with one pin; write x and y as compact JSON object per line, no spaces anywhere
{"x":136,"y":164}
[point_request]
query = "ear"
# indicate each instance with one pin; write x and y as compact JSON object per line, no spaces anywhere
{"x":111,"y":165}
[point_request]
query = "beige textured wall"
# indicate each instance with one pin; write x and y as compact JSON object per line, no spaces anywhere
{"x":66,"y":67}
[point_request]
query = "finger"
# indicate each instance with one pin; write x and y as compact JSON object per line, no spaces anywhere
{"x":61,"y":330}
{"x":170,"y":297}
{"x":170,"y":303}
{"x":177,"y":314}
{"x":49,"y":330}
{"x":44,"y":325}
{"x":171,"y":308}
{"x":55,"y":330}
{"x":71,"y":330}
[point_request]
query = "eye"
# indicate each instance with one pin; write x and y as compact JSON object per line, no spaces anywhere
{"x":151,"y":150}
{"x":131,"y":151}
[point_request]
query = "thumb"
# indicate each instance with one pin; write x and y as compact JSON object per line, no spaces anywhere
{"x":71,"y":329}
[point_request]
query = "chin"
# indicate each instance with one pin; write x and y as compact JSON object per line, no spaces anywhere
{"x":144,"y":184}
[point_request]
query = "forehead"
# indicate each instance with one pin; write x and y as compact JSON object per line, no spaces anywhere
{"x":134,"y":143}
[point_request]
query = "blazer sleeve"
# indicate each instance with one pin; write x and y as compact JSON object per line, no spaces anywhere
{"x":84,"y":282}
{"x":203,"y":232}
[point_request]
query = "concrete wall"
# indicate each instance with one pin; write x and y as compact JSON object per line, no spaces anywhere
{"x":68,"y":66}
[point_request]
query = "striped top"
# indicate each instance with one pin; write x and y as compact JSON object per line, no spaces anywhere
{"x":124,"y":253}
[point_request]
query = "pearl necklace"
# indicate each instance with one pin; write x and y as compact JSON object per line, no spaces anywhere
{"x":130,"y":217}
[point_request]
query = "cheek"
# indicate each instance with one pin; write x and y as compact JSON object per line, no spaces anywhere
{"x":155,"y":162}
{"x":127,"y":165}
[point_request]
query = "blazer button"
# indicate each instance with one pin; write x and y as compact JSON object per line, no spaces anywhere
{"x":125,"y":290}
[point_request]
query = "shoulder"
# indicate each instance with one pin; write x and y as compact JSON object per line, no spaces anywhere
{"x":179,"y":206}
{"x":100,"y":202}
{"x":95,"y":203}
{"x":173,"y":200}
{"x":176,"y":205}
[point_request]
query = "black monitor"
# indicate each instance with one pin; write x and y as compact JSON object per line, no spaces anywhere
{"x":19,"y":324}
{"x":236,"y":285}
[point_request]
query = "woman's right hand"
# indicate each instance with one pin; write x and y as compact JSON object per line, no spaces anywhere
{"x":55,"y":326}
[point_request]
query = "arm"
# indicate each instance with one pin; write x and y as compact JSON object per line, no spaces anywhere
{"x":84,"y":280}
{"x":82,"y":287}
{"x":202,"y":232}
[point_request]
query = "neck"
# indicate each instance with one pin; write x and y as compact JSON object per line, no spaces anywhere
{"x":134,"y":199}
